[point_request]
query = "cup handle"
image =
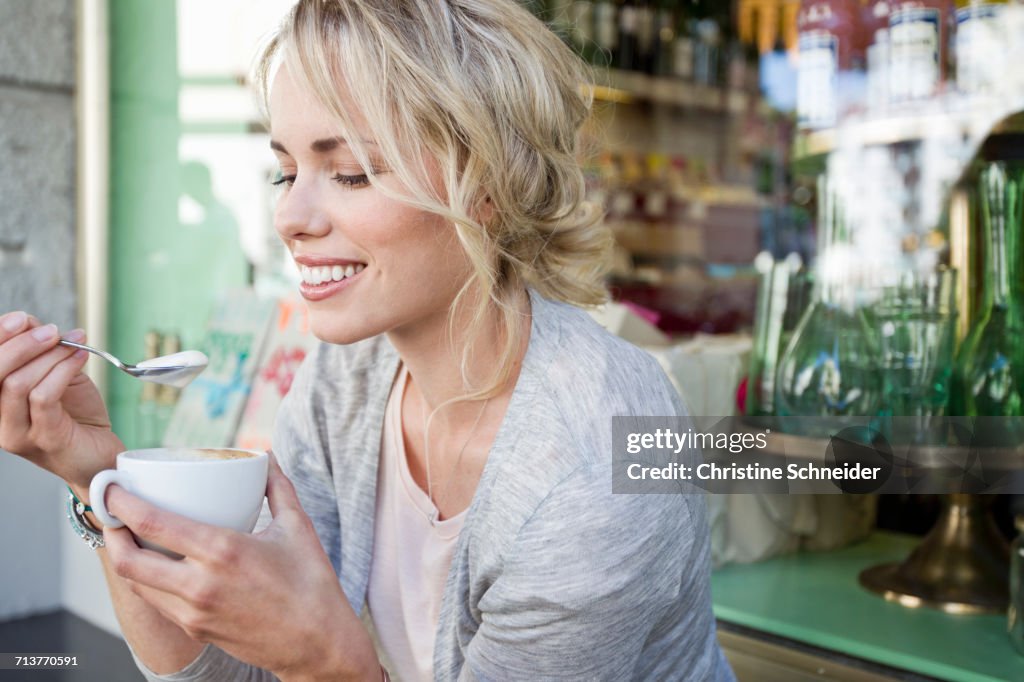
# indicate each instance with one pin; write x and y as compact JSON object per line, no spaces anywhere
{"x":98,"y":491}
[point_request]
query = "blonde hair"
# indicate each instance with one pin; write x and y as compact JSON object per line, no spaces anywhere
{"x":491,"y":95}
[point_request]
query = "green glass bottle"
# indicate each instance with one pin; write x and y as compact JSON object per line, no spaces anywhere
{"x":989,"y":370}
{"x":781,"y":300}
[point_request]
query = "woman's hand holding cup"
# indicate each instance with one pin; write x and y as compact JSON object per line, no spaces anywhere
{"x":50,"y":412}
{"x":229,"y":584}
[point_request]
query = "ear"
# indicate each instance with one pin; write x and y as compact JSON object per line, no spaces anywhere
{"x":485,"y":210}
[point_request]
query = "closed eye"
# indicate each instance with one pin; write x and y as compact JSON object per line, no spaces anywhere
{"x":347,"y":180}
{"x":352,"y":180}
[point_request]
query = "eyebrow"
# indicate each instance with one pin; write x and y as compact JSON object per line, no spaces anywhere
{"x":323,"y":146}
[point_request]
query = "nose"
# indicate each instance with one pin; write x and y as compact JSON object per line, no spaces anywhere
{"x":300,"y":214}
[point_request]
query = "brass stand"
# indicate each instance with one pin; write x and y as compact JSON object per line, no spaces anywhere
{"x":961,"y":566}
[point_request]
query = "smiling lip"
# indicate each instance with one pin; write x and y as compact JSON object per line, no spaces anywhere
{"x":318,"y":292}
{"x":320,"y":261}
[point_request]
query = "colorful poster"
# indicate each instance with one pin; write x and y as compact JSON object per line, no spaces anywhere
{"x":288,"y":342}
{"x":209,"y":409}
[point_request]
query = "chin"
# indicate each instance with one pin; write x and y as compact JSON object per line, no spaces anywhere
{"x":336,"y":329}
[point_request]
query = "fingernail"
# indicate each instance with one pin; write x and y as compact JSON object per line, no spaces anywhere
{"x":76,"y":335}
{"x":15,"y":321}
{"x":46,"y":333}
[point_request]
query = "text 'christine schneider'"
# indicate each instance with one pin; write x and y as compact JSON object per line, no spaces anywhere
{"x":667,"y":440}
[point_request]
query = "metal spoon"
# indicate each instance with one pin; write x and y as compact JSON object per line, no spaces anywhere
{"x":175,"y":370}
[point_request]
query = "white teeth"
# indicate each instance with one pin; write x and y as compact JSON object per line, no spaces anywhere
{"x":319,"y":275}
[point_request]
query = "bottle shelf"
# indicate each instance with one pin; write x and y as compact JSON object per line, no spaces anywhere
{"x":950,"y":118}
{"x":626,"y":87}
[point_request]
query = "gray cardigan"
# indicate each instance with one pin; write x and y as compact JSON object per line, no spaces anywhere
{"x":553,"y":576}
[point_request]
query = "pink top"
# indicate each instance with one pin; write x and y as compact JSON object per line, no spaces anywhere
{"x":411,"y":557}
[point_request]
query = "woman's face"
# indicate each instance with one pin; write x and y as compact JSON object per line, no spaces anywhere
{"x":406,"y":264}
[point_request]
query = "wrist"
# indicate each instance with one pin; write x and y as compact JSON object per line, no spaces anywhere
{"x":374,"y":674}
{"x":82,"y":495}
{"x":80,"y":477}
{"x":341,"y":662}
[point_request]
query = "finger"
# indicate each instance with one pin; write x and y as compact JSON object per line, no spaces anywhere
{"x":281,"y":495}
{"x":144,"y":566}
{"x":19,"y":349}
{"x":20,"y":379}
{"x":195,"y":622}
{"x":46,"y":414}
{"x":17,"y":386}
{"x":167,"y":529}
{"x":172,"y":606}
{"x":12,"y":323}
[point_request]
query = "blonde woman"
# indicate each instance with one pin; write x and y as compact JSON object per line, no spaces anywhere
{"x":444,"y":476}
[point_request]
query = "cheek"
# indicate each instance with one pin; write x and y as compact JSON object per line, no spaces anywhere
{"x":422,"y":243}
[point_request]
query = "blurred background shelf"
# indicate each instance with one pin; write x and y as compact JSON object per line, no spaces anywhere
{"x":930,"y":121}
{"x":628,"y":87}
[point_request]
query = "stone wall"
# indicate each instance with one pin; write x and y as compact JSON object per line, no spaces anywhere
{"x":37,"y":146}
{"x":37,"y":263}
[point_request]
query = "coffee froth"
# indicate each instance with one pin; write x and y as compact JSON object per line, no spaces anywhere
{"x":224,"y":453}
{"x":191,"y":454}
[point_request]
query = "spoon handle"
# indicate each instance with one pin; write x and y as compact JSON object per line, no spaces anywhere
{"x":95,"y":351}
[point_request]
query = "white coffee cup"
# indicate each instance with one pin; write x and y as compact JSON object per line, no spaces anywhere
{"x":219,"y":486}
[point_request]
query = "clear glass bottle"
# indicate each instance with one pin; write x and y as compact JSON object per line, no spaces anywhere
{"x":989,"y":372}
{"x":828,"y":368}
{"x":916,"y":316}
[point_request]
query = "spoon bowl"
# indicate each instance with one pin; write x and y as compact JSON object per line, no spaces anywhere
{"x":174,"y":370}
